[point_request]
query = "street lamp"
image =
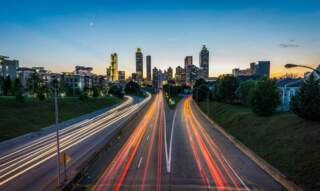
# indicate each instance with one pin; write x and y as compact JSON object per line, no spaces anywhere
{"x":302,"y":66}
{"x":56,"y":110}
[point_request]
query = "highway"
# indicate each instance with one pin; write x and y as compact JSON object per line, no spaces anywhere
{"x":180,"y":150}
{"x":32,"y":166}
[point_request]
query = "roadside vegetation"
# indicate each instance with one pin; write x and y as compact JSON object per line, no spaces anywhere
{"x":18,"y":118}
{"x":174,"y":93}
{"x":287,"y":140}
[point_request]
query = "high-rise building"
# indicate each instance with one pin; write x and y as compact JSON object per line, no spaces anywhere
{"x":194,"y":74}
{"x":169,"y":74}
{"x":139,"y":64}
{"x":121,"y":75}
{"x":155,"y":78}
{"x":204,"y":62}
{"x":180,"y":75}
{"x":263,"y":69}
{"x":112,"y":70}
{"x":187,"y":61}
{"x":187,"y":67}
{"x":148,"y":68}
{"x":8,"y":67}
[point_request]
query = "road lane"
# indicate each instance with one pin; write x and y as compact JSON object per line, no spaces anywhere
{"x":180,"y":150}
{"x":31,"y":161}
{"x":140,"y":163}
{"x":221,"y":165}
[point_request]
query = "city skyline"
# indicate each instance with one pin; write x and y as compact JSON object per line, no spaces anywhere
{"x":59,"y":37}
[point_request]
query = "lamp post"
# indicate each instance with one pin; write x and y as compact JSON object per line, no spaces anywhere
{"x":302,"y":66}
{"x":56,"y":110}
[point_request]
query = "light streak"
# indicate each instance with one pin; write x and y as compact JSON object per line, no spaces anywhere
{"x":118,"y":168}
{"x":34,"y":153}
{"x":219,"y":168}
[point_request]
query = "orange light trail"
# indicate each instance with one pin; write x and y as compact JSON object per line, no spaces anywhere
{"x":215,"y":149}
{"x":210,"y":153}
{"x":121,"y":163}
{"x":153,"y":133}
{"x":160,"y":147}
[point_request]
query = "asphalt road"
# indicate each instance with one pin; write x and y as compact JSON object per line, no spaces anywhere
{"x":32,"y":165}
{"x":180,"y":150}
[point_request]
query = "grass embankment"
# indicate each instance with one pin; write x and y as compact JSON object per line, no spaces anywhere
{"x":286,"y":141}
{"x":173,"y":101}
{"x":20,"y":118}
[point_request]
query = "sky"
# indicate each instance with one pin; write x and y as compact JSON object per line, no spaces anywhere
{"x":59,"y":35}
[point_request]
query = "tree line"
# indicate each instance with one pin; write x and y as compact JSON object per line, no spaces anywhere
{"x":262,"y":96}
{"x":36,"y":87}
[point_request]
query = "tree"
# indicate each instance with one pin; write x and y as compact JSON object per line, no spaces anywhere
{"x":264,"y":98}
{"x":84,"y":96}
{"x":18,"y":90}
{"x":96,"y":92}
{"x":201,"y":93}
{"x":132,"y":88}
{"x":199,"y":82}
{"x":116,"y":91}
{"x":172,"y":90}
{"x":34,"y":83}
{"x":306,"y":102}
{"x":244,"y":90}
{"x":1,"y":84}
{"x":7,"y":85}
{"x":41,"y":93}
{"x":226,"y":88}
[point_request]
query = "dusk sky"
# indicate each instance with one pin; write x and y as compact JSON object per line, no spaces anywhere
{"x":62,"y":34}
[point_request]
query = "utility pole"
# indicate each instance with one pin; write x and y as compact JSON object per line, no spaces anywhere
{"x":56,"y":109}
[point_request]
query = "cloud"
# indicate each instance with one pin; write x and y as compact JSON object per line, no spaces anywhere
{"x":289,"y":45}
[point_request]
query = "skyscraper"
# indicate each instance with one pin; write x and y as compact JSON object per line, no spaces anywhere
{"x":187,"y":61}
{"x":112,"y":71}
{"x":204,"y":62}
{"x":122,"y":75}
{"x":187,"y":67}
{"x":155,"y":78}
{"x":169,"y":74}
{"x":139,"y":64}
{"x":148,"y":68}
{"x":180,"y":75}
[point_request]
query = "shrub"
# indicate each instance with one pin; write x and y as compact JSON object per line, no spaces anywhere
{"x":264,"y":97}
{"x":226,"y":88}
{"x":244,"y":90}
{"x":132,"y":88}
{"x":96,"y":92}
{"x":201,"y":93}
{"x":116,"y":90}
{"x":306,"y":102}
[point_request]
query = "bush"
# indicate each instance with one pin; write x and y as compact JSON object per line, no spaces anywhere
{"x":84,"y":96}
{"x":226,"y":87}
{"x":18,"y":90}
{"x":264,"y":98}
{"x":96,"y":92}
{"x":116,"y":90}
{"x":7,"y":85}
{"x":172,"y":90}
{"x":244,"y":90}
{"x":132,"y":88}
{"x":201,"y":93}
{"x":306,"y":103}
